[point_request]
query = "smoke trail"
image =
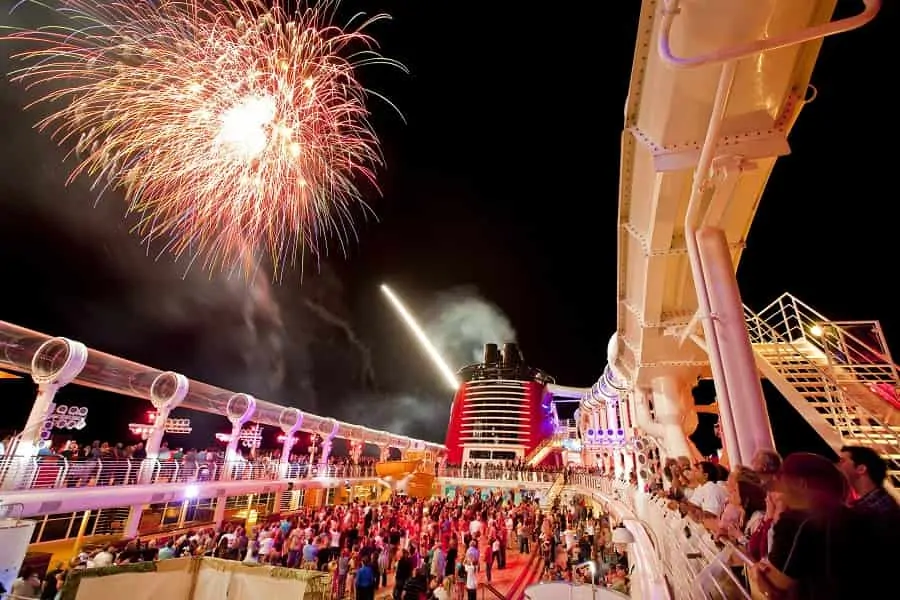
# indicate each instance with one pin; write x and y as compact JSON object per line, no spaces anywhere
{"x":462,"y":322}
{"x":422,"y":416}
{"x":365,"y":354}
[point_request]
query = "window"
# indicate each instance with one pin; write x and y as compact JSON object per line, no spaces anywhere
{"x":504,"y":455}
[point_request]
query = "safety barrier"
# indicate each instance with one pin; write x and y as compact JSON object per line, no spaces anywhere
{"x":43,"y":472}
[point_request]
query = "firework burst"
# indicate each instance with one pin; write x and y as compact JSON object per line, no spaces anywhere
{"x":227,"y":124}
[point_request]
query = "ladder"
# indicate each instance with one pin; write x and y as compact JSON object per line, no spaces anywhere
{"x":838,"y":375}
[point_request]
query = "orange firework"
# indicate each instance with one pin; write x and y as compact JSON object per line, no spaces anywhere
{"x":227,"y":124}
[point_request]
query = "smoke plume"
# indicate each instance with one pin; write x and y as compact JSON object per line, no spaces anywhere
{"x":462,"y":322}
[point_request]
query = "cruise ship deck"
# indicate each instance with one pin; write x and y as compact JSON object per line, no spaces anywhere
{"x":715,"y":90}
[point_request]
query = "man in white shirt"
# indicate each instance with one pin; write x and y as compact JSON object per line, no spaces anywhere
{"x":471,"y":581}
{"x":475,"y":527}
{"x":709,"y":496}
{"x":104,"y":558}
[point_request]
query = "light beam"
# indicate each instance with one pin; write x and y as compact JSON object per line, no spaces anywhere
{"x":432,"y":352}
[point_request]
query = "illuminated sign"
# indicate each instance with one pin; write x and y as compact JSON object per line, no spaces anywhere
{"x":61,"y":416}
{"x":251,"y":437}
{"x":172,"y":426}
{"x":604,"y":438}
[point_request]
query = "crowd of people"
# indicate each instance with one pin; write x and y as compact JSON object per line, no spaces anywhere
{"x":409,"y":549}
{"x":436,"y":547}
{"x":796,"y":524}
{"x":513,"y":470}
{"x":577,"y":546}
{"x":811,"y":528}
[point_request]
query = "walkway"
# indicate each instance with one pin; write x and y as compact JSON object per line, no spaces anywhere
{"x":521,"y":571}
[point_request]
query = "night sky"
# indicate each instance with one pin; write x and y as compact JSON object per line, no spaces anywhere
{"x":501,"y":183}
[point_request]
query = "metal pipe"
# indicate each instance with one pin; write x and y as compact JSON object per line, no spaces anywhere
{"x":691,"y":222}
{"x":672,"y":8}
{"x":754,"y":432}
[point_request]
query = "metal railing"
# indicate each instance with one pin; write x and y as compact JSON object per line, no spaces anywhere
{"x":49,"y":472}
{"x":792,"y":362}
{"x":544,"y":446}
{"x":857,"y":350}
{"x":553,"y":493}
{"x":697,"y":566}
{"x":53,"y":472}
{"x":839,"y":390}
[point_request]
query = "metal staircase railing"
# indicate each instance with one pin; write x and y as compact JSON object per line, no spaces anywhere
{"x":564,"y":430}
{"x":827,"y":368}
{"x":858,"y":347}
{"x":540,"y":450}
{"x":854,"y":353}
{"x":554,"y":492}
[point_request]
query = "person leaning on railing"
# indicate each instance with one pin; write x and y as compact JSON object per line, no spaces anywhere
{"x":817,"y":537}
{"x":708,"y":499}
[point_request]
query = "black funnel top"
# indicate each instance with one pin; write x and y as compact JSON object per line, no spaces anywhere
{"x":491,"y":354}
{"x":507,"y":363}
{"x":512,"y":355}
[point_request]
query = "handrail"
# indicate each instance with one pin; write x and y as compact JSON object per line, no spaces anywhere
{"x":55,"y":472}
{"x":834,"y":387}
{"x":761,"y":322}
{"x":545,"y":443}
{"x":496,"y":593}
{"x":672,"y":8}
{"x":852,"y":360}
{"x":800,"y":305}
{"x":490,"y":474}
{"x":694,"y":563}
{"x":778,"y":339}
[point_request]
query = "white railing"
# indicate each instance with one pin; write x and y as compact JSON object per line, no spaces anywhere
{"x":846,"y":390}
{"x":692,"y":563}
{"x":858,"y":348}
{"x":541,"y":449}
{"x":554,"y":492}
{"x":20,"y":473}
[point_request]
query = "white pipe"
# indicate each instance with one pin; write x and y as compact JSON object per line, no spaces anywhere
{"x":691,"y":221}
{"x":672,"y":8}
{"x":754,"y":431}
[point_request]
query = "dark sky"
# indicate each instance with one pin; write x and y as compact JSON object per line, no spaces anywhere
{"x":502,"y":181}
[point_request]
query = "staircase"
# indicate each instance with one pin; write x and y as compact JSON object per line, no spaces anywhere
{"x":540,"y":452}
{"x":553,"y":493}
{"x":838,"y":375}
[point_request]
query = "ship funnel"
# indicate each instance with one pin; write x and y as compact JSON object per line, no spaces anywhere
{"x":512,"y":356}
{"x":491,"y":354}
